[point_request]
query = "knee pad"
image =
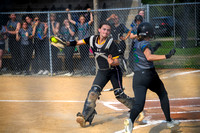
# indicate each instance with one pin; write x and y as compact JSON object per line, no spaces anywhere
{"x":123,"y":98}
{"x":94,"y":93}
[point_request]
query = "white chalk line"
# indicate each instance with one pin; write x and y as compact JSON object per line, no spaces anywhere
{"x":150,"y":123}
{"x":42,"y":101}
{"x":110,"y":104}
{"x":181,"y":73}
{"x":179,"y":112}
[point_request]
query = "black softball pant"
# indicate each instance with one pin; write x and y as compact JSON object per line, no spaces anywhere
{"x":114,"y":75}
{"x":143,"y":80}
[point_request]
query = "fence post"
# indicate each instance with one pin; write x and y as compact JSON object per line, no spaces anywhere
{"x":95,"y":4}
{"x":174,"y":24}
{"x":49,"y":34}
{"x":147,"y":12}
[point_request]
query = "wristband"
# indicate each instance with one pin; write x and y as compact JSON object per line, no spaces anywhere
{"x":72,"y":43}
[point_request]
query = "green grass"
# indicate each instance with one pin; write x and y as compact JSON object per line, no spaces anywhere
{"x":184,"y":57}
{"x":168,"y":45}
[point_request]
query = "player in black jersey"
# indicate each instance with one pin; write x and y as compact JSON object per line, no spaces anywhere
{"x":106,"y":56}
{"x":146,"y":77}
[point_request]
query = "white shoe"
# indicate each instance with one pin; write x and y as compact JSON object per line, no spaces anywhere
{"x":45,"y":72}
{"x":172,"y":123}
{"x":128,"y":125}
{"x":130,"y":75}
{"x":40,"y":72}
{"x":69,"y":74}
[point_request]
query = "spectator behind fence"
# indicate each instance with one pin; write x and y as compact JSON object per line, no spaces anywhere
{"x":28,"y":19}
{"x":25,"y":36}
{"x":67,"y":31}
{"x":3,"y":37}
{"x":117,"y":31}
{"x":138,"y":19}
{"x":14,"y":48}
{"x":141,"y":12}
{"x":83,"y":28}
{"x":54,"y":29}
{"x":39,"y":46}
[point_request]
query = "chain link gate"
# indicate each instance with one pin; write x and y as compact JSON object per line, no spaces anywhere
{"x":174,"y":27}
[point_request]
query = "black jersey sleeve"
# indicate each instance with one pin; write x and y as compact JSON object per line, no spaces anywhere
{"x":87,"y":40}
{"x":113,"y":50}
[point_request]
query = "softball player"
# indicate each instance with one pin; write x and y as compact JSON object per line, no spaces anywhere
{"x":146,"y":76}
{"x":106,"y":56}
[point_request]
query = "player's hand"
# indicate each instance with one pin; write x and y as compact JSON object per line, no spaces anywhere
{"x":171,"y":52}
{"x":110,"y":60}
{"x":158,"y":44}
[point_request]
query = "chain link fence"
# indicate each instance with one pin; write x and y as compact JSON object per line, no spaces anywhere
{"x":29,"y":51}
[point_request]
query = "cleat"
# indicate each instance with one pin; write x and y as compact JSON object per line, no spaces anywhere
{"x":128,"y":126}
{"x":80,"y":119}
{"x":140,"y":117}
{"x":172,"y":123}
{"x":90,"y":119}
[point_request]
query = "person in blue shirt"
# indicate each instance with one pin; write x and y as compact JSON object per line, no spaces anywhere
{"x":39,"y":45}
{"x":14,"y":47}
{"x":138,"y":19}
{"x":25,"y":36}
{"x":83,"y":32}
{"x":67,"y":31}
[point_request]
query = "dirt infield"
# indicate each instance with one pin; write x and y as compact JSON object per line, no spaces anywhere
{"x":49,"y":104}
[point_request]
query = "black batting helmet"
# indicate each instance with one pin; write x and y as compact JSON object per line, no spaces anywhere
{"x":145,"y":29}
{"x":138,"y":18}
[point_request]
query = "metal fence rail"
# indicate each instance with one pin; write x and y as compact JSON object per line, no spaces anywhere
{"x":176,"y":26}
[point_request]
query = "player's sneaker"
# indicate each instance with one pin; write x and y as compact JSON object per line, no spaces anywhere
{"x":80,"y":119}
{"x":128,"y":125}
{"x":172,"y":123}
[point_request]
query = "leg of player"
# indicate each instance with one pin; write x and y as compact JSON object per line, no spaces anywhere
{"x":89,"y":107}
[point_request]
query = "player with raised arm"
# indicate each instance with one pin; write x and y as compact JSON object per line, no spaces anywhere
{"x":106,"y":56}
{"x":146,"y":77}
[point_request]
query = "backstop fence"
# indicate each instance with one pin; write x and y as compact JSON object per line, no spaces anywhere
{"x":176,"y":26}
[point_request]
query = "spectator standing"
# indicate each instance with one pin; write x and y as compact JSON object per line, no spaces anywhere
{"x":83,"y":32}
{"x":3,"y":37}
{"x":14,"y":48}
{"x":67,"y":31}
{"x":25,"y":35}
{"x":141,"y":12}
{"x":39,"y":45}
{"x":54,"y":29}
{"x":138,"y":19}
{"x":117,"y":31}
